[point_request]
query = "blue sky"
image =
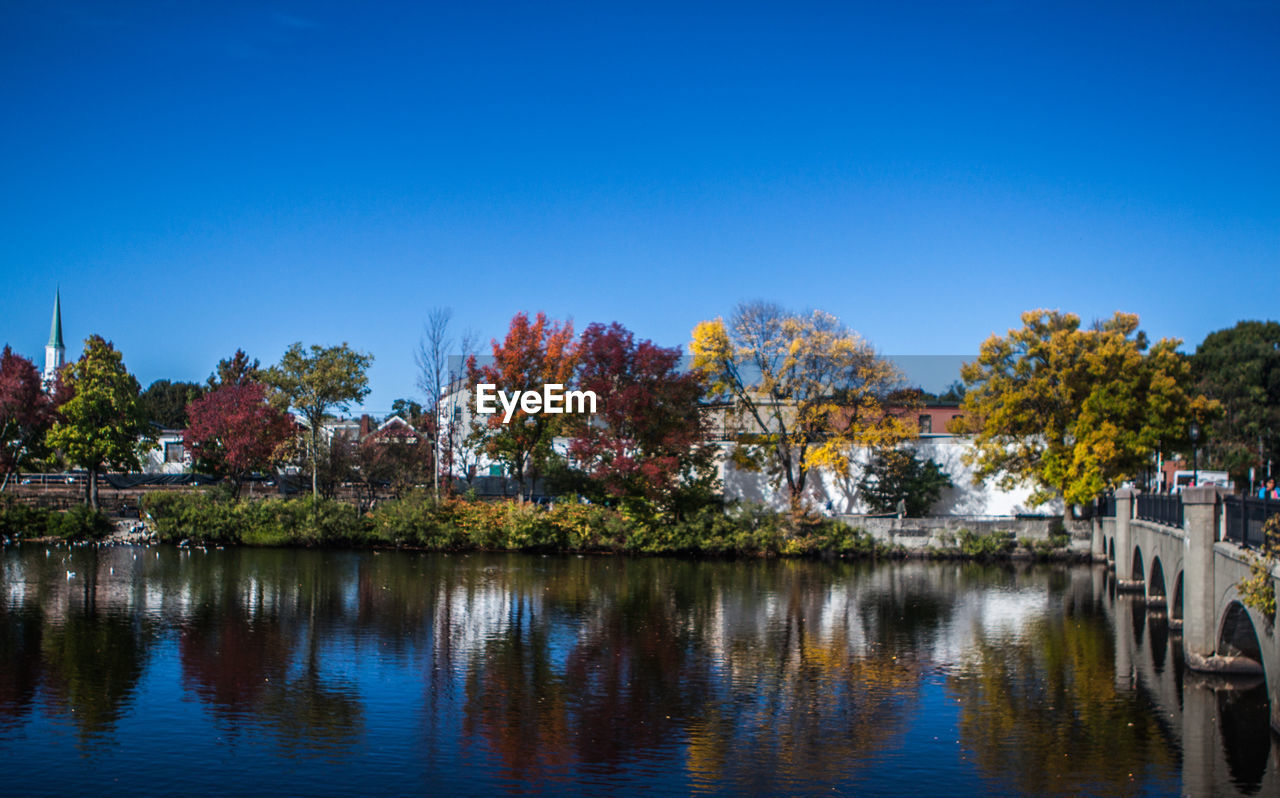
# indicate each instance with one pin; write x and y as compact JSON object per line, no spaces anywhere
{"x":205,"y":176}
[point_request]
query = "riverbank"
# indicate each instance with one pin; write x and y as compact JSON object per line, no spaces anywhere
{"x":419,"y":523}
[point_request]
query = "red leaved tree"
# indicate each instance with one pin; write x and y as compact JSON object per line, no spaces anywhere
{"x":532,"y":355}
{"x":234,"y":432}
{"x":648,"y":441}
{"x":26,"y":413}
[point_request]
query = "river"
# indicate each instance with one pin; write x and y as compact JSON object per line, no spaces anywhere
{"x":161,"y":670}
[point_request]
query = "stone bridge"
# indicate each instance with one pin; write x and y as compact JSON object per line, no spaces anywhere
{"x":1190,"y":572}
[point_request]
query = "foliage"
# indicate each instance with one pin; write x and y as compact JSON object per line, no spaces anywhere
{"x":992,"y":544}
{"x":19,"y":521}
{"x":176,"y":517}
{"x":316,"y":382}
{"x":26,"y":413}
{"x":1075,"y":412}
{"x":408,"y":410}
{"x":532,"y":355}
{"x":165,"y":403}
{"x":805,"y":390}
{"x":235,"y":432}
{"x":103,"y":425}
{"x":1258,"y":589}
{"x":1240,"y":367}
{"x":235,"y":370}
{"x":419,"y":520}
{"x":900,"y":474}
{"x":645,"y":447}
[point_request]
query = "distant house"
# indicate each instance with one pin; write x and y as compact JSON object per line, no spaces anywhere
{"x":169,"y":456}
{"x":395,"y":430}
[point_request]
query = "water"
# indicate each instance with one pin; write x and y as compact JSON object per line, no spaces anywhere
{"x":168,"y":671}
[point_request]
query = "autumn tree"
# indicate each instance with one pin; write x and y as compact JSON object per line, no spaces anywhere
{"x":1240,"y":367}
{"x":317,"y":381}
{"x":165,"y":402}
{"x":26,"y":413}
{"x":805,"y":390}
{"x":1073,"y":411}
{"x":234,"y":432}
{"x":104,"y":424}
{"x":533,"y":354}
{"x":646,"y":445}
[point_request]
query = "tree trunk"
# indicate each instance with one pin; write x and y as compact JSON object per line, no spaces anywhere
{"x":315,"y":463}
{"x":93,"y":488}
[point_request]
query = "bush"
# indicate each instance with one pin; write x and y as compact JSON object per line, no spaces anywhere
{"x":80,"y":522}
{"x":270,"y":522}
{"x":992,"y":544}
{"x":20,"y":521}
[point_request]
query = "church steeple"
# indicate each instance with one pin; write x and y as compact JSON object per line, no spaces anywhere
{"x":55,"y":332}
{"x":54,"y":350}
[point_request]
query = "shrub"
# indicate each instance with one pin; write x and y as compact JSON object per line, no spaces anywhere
{"x":20,"y":521}
{"x":78,"y":523}
{"x":994,"y":543}
{"x":1258,"y":589}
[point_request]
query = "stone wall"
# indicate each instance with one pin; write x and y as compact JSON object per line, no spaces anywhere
{"x":940,"y":531}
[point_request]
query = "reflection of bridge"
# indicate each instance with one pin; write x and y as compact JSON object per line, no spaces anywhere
{"x":1184,"y":567}
{"x":1219,"y":726}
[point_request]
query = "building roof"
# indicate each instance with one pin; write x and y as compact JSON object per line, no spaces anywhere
{"x":55,"y":331}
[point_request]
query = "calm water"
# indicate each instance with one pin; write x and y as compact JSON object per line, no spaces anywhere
{"x":166,"y":671}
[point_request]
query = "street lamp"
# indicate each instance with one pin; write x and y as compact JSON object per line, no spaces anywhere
{"x":1195,"y":454}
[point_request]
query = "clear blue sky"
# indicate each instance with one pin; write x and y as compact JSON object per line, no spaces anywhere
{"x":202,"y":176}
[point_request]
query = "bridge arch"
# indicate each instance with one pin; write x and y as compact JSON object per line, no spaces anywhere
{"x":1236,"y":635}
{"x":1138,"y":574}
{"x":1155,"y":584}
{"x":1175,"y":606}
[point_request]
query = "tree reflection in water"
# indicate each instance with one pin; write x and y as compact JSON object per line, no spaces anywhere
{"x":518,"y":671}
{"x":251,"y":649}
{"x":1040,"y":708}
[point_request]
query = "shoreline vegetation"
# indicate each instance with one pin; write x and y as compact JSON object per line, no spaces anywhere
{"x":418,"y":522}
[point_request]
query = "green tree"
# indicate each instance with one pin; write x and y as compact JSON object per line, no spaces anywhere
{"x":805,"y":390}
{"x":165,"y":403}
{"x":317,"y":382}
{"x":899,"y":474}
{"x":104,"y":424}
{"x":1240,"y":367}
{"x":1075,"y":411}
{"x":235,"y":370}
{"x":408,"y":410}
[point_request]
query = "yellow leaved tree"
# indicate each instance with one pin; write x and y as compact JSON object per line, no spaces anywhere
{"x":802,"y":391}
{"x":1074,"y":412}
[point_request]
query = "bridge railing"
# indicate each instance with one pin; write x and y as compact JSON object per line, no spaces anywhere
{"x":1160,"y":508}
{"x":1244,"y":517}
{"x":1101,"y":507}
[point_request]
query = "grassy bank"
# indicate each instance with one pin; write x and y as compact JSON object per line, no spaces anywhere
{"x":456,"y":525}
{"x":21,"y":522}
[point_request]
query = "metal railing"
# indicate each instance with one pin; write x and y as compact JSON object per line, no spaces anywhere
{"x":1159,"y":508}
{"x":1244,"y":518}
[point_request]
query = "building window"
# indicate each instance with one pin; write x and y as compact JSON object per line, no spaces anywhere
{"x":495,"y":470}
{"x":173,"y":452}
{"x":926,"y":424}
